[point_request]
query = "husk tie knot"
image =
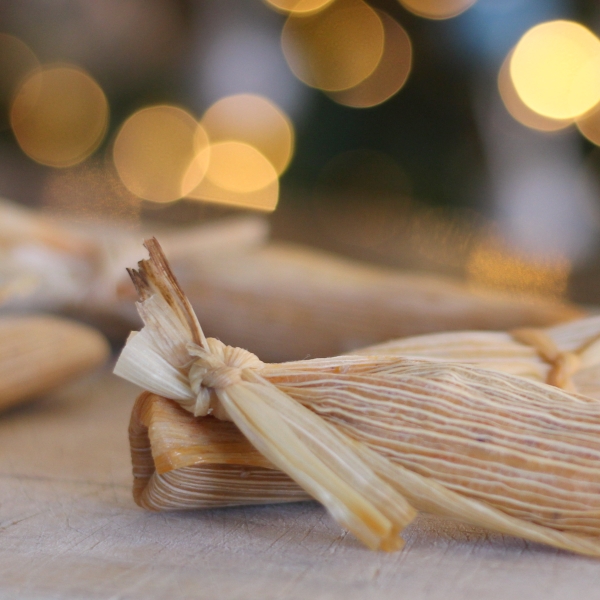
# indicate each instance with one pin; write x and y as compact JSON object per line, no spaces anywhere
{"x":216,"y":368}
{"x":563,"y":365}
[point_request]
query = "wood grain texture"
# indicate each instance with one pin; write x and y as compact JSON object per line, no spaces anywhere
{"x":69,"y":529}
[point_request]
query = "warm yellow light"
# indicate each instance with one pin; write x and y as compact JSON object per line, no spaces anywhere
{"x":264,"y":200}
{"x":155,"y":152}
{"x":555,"y":69}
{"x":589,"y":126}
{"x":239,"y":175}
{"x":59,"y":116}
{"x":391,"y":72}
{"x":16,"y":61}
{"x":299,"y":6}
{"x":336,"y":48}
{"x":518,"y":109}
{"x":254,"y":120}
{"x":437,"y":9}
{"x":239,"y":167}
{"x":198,"y":166}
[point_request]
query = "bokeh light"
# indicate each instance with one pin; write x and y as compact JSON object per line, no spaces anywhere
{"x":437,"y":9}
{"x":518,"y":109}
{"x":299,"y":6}
{"x":16,"y":61}
{"x":336,"y":48}
{"x":155,"y":150}
{"x":589,"y":126}
{"x":555,"y":69}
{"x":59,"y":115}
{"x":239,"y":167}
{"x":239,"y":175}
{"x":391,"y":72}
{"x":254,"y":120}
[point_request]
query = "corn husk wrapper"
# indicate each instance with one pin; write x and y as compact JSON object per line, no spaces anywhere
{"x":280,"y":301}
{"x":40,"y":353}
{"x":567,"y":355}
{"x":79,"y":269}
{"x":285,"y":302}
{"x":216,"y":474}
{"x":371,"y":438}
{"x":179,"y":462}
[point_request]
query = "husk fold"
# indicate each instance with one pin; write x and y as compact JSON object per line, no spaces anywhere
{"x":371,"y":437}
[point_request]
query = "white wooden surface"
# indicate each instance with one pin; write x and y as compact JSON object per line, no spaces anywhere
{"x":69,"y":529}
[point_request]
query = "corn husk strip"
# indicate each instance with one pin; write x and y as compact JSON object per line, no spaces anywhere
{"x":319,"y":459}
{"x":37,"y":354}
{"x":340,"y":426}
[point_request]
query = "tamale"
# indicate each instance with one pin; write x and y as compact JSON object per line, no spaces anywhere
{"x":40,"y":353}
{"x":371,"y":437}
{"x":285,"y":302}
{"x":501,"y":351}
{"x":279,"y":300}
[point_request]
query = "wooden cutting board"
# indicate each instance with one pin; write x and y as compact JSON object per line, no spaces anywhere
{"x":69,"y":530}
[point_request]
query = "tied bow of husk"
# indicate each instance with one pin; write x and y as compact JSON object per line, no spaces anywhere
{"x":172,"y":357}
{"x":338,"y":459}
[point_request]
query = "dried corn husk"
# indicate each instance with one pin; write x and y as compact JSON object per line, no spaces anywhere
{"x":285,"y":302}
{"x":281,"y":301}
{"x":186,"y":463}
{"x":79,"y":269}
{"x":39,"y":353}
{"x":372,"y":437}
{"x":499,"y":351}
{"x":567,"y":355}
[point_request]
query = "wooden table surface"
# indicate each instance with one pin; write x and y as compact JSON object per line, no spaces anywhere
{"x":69,"y":529}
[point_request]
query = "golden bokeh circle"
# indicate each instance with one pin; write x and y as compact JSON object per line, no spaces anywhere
{"x":518,"y":109}
{"x":299,"y":6}
{"x":555,"y":69}
{"x":254,"y":120}
{"x":391,"y":73}
{"x":154,"y":152}
{"x":437,"y":9}
{"x":59,"y":115}
{"x":239,"y":167}
{"x":336,"y":48}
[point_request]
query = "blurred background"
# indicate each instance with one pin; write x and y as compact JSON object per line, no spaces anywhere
{"x":451,"y":136}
